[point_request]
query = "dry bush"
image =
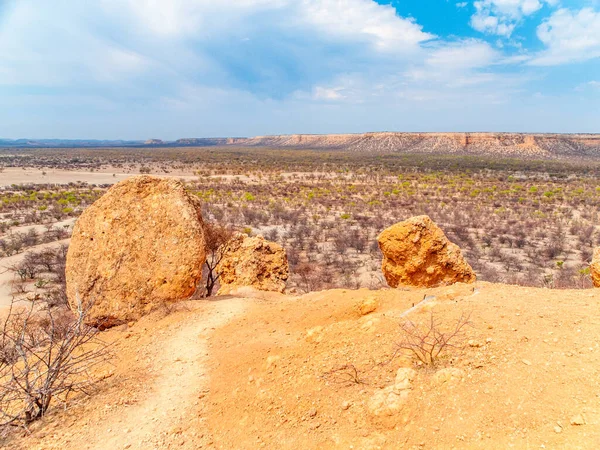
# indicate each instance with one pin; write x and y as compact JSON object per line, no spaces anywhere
{"x":216,"y":237}
{"x":45,"y":356}
{"x":348,"y":375}
{"x":428,"y":342}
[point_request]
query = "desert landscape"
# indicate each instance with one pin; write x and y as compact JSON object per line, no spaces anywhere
{"x":315,"y":224}
{"x":307,"y":327}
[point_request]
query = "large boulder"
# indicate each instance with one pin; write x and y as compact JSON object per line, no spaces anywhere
{"x":139,"y":246}
{"x":416,"y":252}
{"x":253,"y":262}
{"x":595,"y":268}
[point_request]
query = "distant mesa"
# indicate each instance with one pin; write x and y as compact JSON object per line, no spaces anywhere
{"x":154,"y":142}
{"x":517,"y":145}
{"x":416,"y":252}
{"x":141,"y":245}
{"x":502,"y":144}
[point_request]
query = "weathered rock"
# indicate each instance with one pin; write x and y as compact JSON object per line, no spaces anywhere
{"x":254,"y":262}
{"x":416,"y":252}
{"x":366,"y":306}
{"x":448,"y":375}
{"x":595,"y":268}
{"x":577,"y":420}
{"x":389,"y":400}
{"x":140,"y":245}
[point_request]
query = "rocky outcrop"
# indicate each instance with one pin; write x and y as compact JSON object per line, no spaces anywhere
{"x":595,"y":268}
{"x":416,"y":252}
{"x":140,"y":245}
{"x":253,"y":262}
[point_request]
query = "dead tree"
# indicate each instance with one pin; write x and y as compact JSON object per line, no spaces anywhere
{"x":45,"y":356}
{"x":216,"y":237}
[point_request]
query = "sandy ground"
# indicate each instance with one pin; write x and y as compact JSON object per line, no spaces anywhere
{"x":41,"y":228}
{"x":7,"y":276}
{"x":264,"y":373}
{"x":38,"y":176}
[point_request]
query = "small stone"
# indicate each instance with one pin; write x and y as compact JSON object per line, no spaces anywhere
{"x":473,"y":343}
{"x":526,"y":362}
{"x":366,"y":306}
{"x":346,"y":405}
{"x":448,"y":375}
{"x":557,"y":429}
{"x":577,"y":420}
{"x":312,"y":412}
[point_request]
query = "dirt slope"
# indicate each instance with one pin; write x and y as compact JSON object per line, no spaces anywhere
{"x":152,"y":398}
{"x":260,"y":373}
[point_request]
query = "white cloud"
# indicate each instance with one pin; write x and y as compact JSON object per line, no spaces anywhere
{"x":570,"y":36}
{"x":355,"y":19}
{"x":321,"y":93}
{"x":41,"y":46}
{"x":364,"y":18}
{"x":500,"y":17}
{"x":467,"y":54}
{"x":590,"y":85}
{"x":271,"y":46}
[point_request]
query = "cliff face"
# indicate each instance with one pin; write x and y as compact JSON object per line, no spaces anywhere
{"x":505,"y":144}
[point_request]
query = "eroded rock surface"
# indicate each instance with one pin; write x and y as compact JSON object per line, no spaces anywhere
{"x":253,"y":262}
{"x":416,"y":252}
{"x":140,"y":245}
{"x":391,"y":399}
{"x":595,"y":268}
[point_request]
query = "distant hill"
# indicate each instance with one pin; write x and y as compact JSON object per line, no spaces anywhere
{"x":65,"y":143}
{"x":500,"y":144}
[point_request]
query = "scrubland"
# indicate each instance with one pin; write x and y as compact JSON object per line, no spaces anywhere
{"x":526,"y":222}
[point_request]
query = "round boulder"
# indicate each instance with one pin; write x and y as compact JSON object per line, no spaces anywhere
{"x":140,"y":245}
{"x":416,"y":252}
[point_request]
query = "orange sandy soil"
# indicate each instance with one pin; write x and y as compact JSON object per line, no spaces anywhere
{"x":253,"y":373}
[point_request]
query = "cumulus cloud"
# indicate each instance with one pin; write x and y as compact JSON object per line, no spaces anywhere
{"x":500,"y":17}
{"x":269,"y":47}
{"x":466,"y":54}
{"x":343,"y":19}
{"x":237,"y":64}
{"x":569,"y":36}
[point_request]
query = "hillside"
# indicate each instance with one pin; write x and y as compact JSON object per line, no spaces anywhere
{"x":266,"y":372}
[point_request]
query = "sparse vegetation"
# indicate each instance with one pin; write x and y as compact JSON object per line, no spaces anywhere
{"x":513,"y":219}
{"x":45,"y":357}
{"x":216,"y":237}
{"x":429,"y":342}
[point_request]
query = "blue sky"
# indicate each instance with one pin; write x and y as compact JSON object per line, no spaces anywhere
{"x":137,"y":69}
